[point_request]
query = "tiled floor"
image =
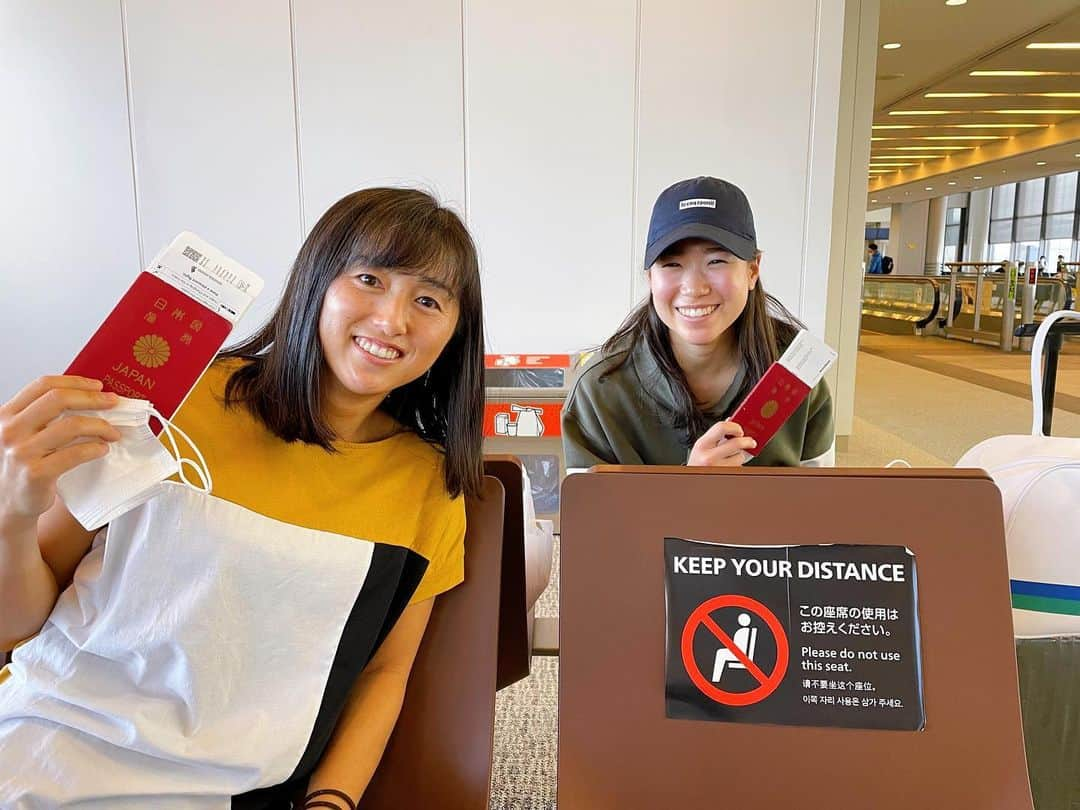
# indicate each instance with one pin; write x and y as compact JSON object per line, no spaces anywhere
{"x":1008,"y":372}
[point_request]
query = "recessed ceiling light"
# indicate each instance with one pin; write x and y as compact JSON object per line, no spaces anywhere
{"x":946,"y":137}
{"x":1063,"y":94}
{"x":952,"y":182}
{"x":1053,"y":46}
{"x":928,"y":188}
{"x":1040,"y":163}
{"x":891,"y":46}
{"x":943,"y":138}
{"x":1023,"y":73}
{"x":1034,"y":112}
{"x":1077,"y":154}
{"x":939,"y":147}
{"x":873,"y":201}
{"x":955,"y":2}
{"x":977,"y":177}
{"x":995,"y":126}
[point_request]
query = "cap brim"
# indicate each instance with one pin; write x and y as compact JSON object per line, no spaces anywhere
{"x":739,"y":245}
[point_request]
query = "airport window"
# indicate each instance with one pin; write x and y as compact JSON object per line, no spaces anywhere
{"x":1000,"y":252}
{"x":1030,"y":195}
{"x":1038,"y":217}
{"x":1028,"y":229}
{"x":1002,"y":208}
{"x":1061,"y":205}
{"x":955,"y":233}
{"x":1059,"y":226}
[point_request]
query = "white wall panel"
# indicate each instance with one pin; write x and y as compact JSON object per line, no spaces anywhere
{"x":67,"y":215}
{"x":380,"y":98}
{"x":215,"y":135}
{"x":550,"y":138}
{"x":726,"y":89}
{"x":553,"y":126}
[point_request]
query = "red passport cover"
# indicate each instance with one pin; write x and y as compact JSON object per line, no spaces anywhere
{"x":769,"y":404}
{"x":154,"y":345}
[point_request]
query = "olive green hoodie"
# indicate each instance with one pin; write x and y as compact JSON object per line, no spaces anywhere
{"x":627,"y":416}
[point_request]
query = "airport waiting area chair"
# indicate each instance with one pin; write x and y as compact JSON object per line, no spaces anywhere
{"x":526,"y":572}
{"x":441,"y":750}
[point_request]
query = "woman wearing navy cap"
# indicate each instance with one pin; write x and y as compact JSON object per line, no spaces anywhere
{"x":661,"y":388}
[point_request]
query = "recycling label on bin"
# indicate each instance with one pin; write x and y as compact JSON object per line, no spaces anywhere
{"x":819,"y":635}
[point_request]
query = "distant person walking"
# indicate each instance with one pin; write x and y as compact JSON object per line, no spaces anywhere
{"x":874,"y":265}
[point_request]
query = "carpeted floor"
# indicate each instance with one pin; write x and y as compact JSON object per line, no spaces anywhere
{"x":526,"y":719}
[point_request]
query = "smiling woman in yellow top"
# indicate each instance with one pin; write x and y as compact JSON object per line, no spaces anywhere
{"x":239,"y":648}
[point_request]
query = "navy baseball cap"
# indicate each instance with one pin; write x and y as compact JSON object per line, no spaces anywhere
{"x":705,"y":208}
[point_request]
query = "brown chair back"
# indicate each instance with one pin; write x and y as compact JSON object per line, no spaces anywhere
{"x":441,"y":750}
{"x":617,"y":749}
{"x":515,"y":625}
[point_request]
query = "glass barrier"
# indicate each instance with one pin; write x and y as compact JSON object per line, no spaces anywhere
{"x":983,"y":297}
{"x":1051,"y":294}
{"x":914,"y":299}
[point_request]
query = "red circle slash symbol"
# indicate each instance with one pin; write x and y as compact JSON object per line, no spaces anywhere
{"x":767,"y":683}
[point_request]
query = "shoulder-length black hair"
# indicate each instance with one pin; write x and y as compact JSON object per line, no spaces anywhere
{"x":762,"y":331}
{"x":400,"y":229}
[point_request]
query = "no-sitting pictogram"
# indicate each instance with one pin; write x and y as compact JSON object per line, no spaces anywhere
{"x":735,"y":652}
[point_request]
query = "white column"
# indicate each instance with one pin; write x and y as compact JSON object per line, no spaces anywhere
{"x":896,"y":234}
{"x":935,"y":237}
{"x":844,"y":288}
{"x":978,"y":225}
{"x":910,"y":251}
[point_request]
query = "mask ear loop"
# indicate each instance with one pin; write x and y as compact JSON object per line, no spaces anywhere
{"x":201,"y":469}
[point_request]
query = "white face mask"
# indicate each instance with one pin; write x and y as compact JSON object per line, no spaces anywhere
{"x":133,"y":470}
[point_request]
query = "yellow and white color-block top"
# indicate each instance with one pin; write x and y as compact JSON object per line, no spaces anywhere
{"x":388,"y":492}
{"x":203,"y":653}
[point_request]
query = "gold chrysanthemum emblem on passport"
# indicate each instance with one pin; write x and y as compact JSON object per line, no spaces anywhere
{"x":151,"y":351}
{"x":769,"y":408}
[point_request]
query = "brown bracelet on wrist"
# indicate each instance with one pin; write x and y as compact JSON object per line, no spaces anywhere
{"x":312,"y":800}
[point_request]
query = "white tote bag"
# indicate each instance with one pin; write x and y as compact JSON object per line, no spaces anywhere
{"x":1039,"y":479}
{"x":202,"y":651}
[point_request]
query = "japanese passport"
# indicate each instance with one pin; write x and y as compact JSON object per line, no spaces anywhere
{"x":169,"y":325}
{"x":782,"y":389}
